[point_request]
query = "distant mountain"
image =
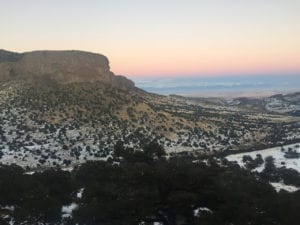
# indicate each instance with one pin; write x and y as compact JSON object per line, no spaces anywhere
{"x":222,"y":86}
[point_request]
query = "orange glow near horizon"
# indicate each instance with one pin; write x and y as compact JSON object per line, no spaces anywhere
{"x":254,"y":62}
{"x":259,"y":53}
{"x":162,"y":38}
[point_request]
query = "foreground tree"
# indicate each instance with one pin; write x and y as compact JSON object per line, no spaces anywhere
{"x":143,"y":187}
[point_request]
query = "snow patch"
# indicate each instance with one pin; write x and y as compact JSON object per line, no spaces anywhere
{"x":68,"y":210}
{"x":198,"y":211}
{"x":79,"y":193}
{"x":276,"y":153}
{"x":281,"y":186}
{"x":8,"y":207}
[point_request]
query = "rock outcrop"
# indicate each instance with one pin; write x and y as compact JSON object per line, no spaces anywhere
{"x":59,"y":66}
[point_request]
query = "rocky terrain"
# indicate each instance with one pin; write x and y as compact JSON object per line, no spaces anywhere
{"x":59,"y":66}
{"x":61,"y":108}
{"x":288,"y":104}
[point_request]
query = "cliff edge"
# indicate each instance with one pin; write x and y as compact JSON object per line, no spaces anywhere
{"x":59,"y":66}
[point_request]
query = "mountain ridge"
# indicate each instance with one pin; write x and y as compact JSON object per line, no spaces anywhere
{"x":68,"y":66}
{"x":62,"y":108}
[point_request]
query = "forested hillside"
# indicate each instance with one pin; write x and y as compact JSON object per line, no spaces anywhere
{"x":143,"y":187}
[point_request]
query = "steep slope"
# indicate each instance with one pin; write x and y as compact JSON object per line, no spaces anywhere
{"x":59,"y":66}
{"x":6,"y":56}
{"x":65,"y":107}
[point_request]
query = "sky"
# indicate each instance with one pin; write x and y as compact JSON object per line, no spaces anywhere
{"x":162,"y":37}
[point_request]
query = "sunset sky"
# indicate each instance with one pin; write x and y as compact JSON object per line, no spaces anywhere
{"x":162,"y":37}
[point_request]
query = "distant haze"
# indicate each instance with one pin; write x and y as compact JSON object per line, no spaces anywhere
{"x":169,"y":37}
{"x":237,"y":86}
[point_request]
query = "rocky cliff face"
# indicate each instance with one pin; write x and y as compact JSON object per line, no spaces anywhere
{"x":59,"y":66}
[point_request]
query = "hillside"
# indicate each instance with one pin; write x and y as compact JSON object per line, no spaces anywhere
{"x":61,"y":108}
{"x":59,"y":66}
{"x":288,"y":104}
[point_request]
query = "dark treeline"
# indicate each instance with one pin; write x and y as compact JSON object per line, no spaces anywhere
{"x":143,"y":187}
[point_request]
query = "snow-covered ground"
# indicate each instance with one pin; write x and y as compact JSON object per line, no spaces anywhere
{"x":67,"y":210}
{"x":200,"y":210}
{"x":279,"y":161}
{"x":278,"y":186}
{"x":276,"y":153}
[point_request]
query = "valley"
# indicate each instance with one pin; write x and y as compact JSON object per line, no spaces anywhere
{"x":80,"y":145}
{"x":149,"y":112}
{"x":60,"y":125}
